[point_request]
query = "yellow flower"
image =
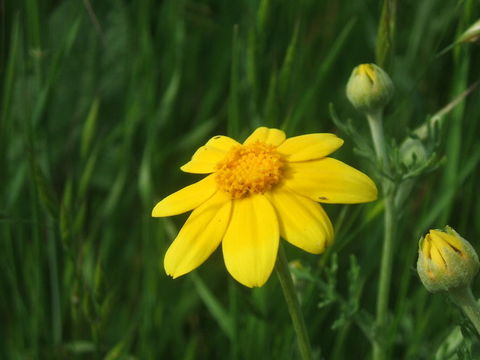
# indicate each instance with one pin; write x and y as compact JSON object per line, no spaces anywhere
{"x":446,"y":260}
{"x":256,"y":192}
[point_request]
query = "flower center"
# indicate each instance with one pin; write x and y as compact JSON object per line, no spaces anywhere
{"x":249,"y":169}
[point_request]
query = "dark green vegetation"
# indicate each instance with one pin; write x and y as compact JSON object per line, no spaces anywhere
{"x":102,"y":101}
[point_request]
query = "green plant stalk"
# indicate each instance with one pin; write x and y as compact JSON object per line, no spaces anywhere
{"x":376,"y":129}
{"x":293,"y":306}
{"x":380,"y":347}
{"x":463,"y":297}
{"x":388,"y":192}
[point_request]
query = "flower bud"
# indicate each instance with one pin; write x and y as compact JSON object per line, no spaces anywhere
{"x":472,"y":34}
{"x":446,"y":260}
{"x":412,"y":151}
{"x":369,"y":88}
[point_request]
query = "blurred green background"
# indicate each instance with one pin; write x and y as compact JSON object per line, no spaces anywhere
{"x":102,"y":101}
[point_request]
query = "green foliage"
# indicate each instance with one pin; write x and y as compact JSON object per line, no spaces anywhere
{"x":102,"y":101}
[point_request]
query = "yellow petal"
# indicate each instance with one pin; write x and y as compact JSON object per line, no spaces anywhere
{"x":309,"y":147}
{"x":199,"y":237}
{"x":302,"y":221}
{"x":250,"y":243}
{"x":207,"y":156}
{"x":268,"y":136}
{"x":448,"y":240}
{"x":330,"y":181}
{"x":437,"y":258}
{"x":425,"y":245}
{"x":186,"y":199}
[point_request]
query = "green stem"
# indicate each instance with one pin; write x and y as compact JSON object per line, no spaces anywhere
{"x":376,"y":128}
{"x":293,"y":305}
{"x":463,"y":297}
{"x":380,"y":347}
{"x":388,"y":191}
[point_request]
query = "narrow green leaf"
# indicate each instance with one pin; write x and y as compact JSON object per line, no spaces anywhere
{"x":9,"y":75}
{"x":291,"y":121}
{"x":287,"y":66}
{"x":45,"y":190}
{"x":89,"y":128}
{"x":65,"y":209}
{"x":271,"y":103}
{"x":233,"y":102}
{"x":213,"y":305}
{"x":86,"y":175}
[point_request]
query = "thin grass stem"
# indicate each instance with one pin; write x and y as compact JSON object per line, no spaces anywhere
{"x":293,"y":305}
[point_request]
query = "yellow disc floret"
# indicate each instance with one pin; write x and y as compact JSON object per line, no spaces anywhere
{"x":249,"y":169}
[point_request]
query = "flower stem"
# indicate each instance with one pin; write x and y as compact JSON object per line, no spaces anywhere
{"x":293,"y":305}
{"x":376,"y":129}
{"x":380,"y":347}
{"x":388,"y":191}
{"x":463,"y":297}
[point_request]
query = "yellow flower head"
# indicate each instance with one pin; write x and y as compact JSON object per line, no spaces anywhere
{"x":446,"y":260}
{"x":256,"y":192}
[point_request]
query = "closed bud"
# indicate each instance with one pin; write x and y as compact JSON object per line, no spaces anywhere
{"x":472,"y":34}
{"x":369,"y":88}
{"x":446,"y":261}
{"x":412,"y":151}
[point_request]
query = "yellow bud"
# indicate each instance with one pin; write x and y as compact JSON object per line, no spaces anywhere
{"x":369,"y":88}
{"x":446,"y":260}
